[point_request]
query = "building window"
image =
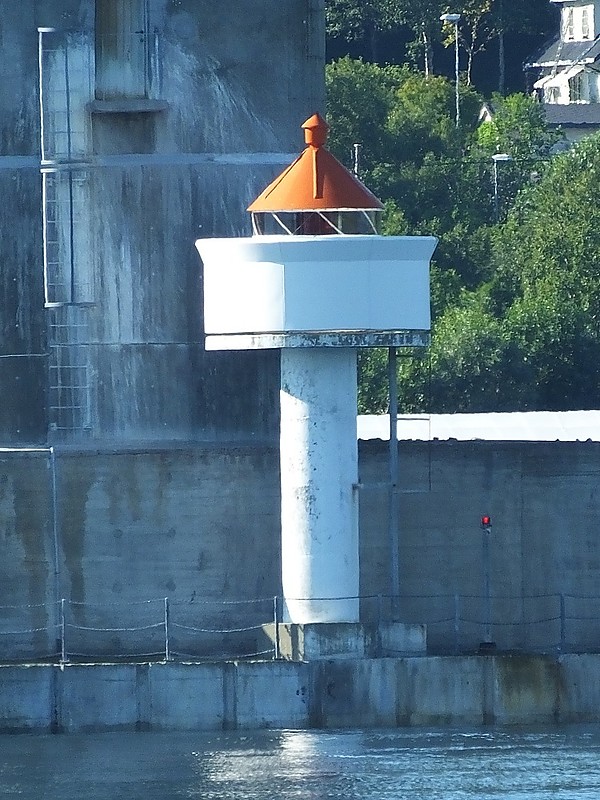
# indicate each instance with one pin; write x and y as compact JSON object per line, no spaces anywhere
{"x":577,"y":88}
{"x":122,"y":49}
{"x":585,"y":23}
{"x":569,"y":25}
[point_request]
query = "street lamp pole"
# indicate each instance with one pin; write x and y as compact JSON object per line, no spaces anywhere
{"x":487,"y":646}
{"x":454,"y":19}
{"x":497,"y":158}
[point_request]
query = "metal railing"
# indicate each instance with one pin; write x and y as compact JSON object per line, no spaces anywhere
{"x":217,"y":630}
{"x":460,"y":623}
{"x":149,"y":630}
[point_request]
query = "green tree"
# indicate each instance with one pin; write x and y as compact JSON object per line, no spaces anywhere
{"x":528,"y":339}
{"x":359,"y":98}
{"x":476,"y":29}
{"x":423,"y":19}
{"x":518,"y":130}
{"x":516,"y":306}
{"x":355,"y":20}
{"x":412,"y":154}
{"x":518,"y":127}
{"x":514,"y":17}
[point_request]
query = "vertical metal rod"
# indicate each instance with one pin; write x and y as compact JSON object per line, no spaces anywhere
{"x":41,"y":32}
{"x":356,"y":148}
{"x":167,"y":648}
{"x":63,"y":645}
{"x":393,"y":521}
{"x":457,"y":74}
{"x":276,"y":652}
{"x":155,"y":87}
{"x":487,"y":614}
{"x":45,"y":179}
{"x":496,"y":193}
{"x":55,"y":544}
{"x":563,"y":620}
{"x":72,"y":291}
{"x":456,"y":624}
{"x":146,"y":43}
{"x":72,"y":281}
{"x":68,"y":101}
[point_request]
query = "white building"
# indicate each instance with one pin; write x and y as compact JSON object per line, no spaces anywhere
{"x":568,"y":82}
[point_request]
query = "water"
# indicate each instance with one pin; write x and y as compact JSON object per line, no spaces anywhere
{"x":556,"y":764}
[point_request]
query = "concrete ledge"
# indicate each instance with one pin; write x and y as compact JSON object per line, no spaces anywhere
{"x":128,"y":105}
{"x":347,"y":640}
{"x":350,"y":693}
{"x":279,"y":341}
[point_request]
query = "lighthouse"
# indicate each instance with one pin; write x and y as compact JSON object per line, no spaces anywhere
{"x":317,"y":282}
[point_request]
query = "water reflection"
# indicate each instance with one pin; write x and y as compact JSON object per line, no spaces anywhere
{"x":556,"y":764}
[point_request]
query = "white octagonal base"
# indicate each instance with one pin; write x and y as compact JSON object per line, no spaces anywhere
{"x":315,"y":284}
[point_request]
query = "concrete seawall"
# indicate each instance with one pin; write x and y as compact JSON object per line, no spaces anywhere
{"x":427,"y":691}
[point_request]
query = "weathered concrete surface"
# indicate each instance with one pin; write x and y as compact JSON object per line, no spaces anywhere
{"x":220,"y":122}
{"x":490,"y":690}
{"x":580,"y":688}
{"x":28,"y":698}
{"x":125,"y":528}
{"x":316,"y":642}
{"x":200,"y":525}
{"x":544,"y":502}
{"x":185,"y":522}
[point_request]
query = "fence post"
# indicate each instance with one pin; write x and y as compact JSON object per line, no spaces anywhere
{"x":563,"y":621}
{"x":167,"y":649}
{"x":63,"y":646}
{"x":276,"y":652}
{"x":456,"y":624}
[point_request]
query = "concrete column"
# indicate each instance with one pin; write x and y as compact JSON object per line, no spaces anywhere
{"x":319,"y":473}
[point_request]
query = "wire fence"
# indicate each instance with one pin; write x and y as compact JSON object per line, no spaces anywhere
{"x":458,"y":624}
{"x":220,"y":630}
{"x":148,"y":630}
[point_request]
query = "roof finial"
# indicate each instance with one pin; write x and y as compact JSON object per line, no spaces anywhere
{"x":315,"y":131}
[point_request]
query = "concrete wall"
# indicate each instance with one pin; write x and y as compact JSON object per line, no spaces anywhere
{"x":118,"y":355}
{"x":336,"y":694}
{"x":110,"y":530}
{"x":544,"y":502}
{"x":116,"y":533}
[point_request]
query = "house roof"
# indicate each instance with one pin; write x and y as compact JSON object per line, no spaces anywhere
{"x":315,"y":181}
{"x":561,"y":53}
{"x":573,"y":114}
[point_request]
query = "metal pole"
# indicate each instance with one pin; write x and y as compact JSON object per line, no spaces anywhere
{"x":496,"y":158}
{"x":167,"y":648}
{"x":563,"y":618}
{"x":456,"y":73}
{"x":57,"y":587}
{"x":393,"y":522}
{"x":487,"y":614}
{"x":496,"y":194}
{"x":63,"y":646}
{"x":456,"y":624}
{"x":356,"y":148}
{"x":277,"y":650}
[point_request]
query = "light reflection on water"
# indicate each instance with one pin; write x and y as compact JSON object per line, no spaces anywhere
{"x":407,"y":764}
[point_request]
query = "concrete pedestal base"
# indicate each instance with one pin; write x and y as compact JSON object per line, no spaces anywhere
{"x":352,"y":640}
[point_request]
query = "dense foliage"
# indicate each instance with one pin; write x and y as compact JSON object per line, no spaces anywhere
{"x":495,"y":36}
{"x":515,"y":287}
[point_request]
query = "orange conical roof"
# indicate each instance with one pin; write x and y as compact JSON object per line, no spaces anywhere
{"x":315,"y":181}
